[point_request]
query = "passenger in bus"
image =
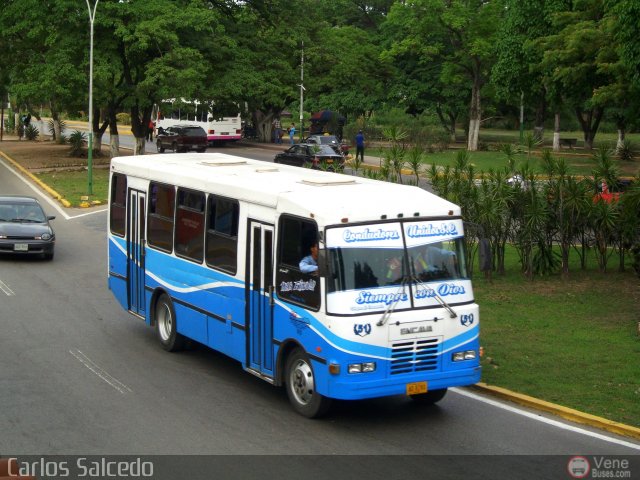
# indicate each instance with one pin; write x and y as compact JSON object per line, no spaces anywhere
{"x":435,"y":260}
{"x":309,"y":264}
{"x":394,"y":270}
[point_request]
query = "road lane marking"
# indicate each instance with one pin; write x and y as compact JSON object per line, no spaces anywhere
{"x":103,"y":374}
{"x":5,"y":288}
{"x":549,"y":421}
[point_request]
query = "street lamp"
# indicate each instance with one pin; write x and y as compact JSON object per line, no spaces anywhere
{"x":302,"y":89}
{"x":92,"y":17}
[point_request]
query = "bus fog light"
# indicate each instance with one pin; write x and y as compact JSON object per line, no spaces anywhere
{"x":465,"y":355}
{"x":355,"y":368}
{"x":369,"y":367}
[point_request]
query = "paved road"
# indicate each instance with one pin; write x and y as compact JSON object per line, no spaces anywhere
{"x":80,"y":376}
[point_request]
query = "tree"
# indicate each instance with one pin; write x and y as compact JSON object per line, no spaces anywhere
{"x":514,"y":73}
{"x":43,"y":41}
{"x":158,"y":45}
{"x":571,"y":62}
{"x":457,"y":34}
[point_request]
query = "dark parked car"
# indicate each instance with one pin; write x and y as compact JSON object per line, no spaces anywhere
{"x":331,"y":140}
{"x":311,"y":156}
{"x":182,"y":138}
{"x":24,"y":227}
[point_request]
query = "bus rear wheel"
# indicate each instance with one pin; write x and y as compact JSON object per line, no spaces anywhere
{"x":301,"y":386}
{"x":431,"y":397}
{"x":166,"y":325}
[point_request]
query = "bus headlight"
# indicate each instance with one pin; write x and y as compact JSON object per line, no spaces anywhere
{"x":465,"y":355}
{"x":362,"y":367}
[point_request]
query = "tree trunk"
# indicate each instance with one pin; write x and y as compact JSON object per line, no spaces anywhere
{"x":114,"y":145}
{"x":141,"y":142}
{"x":114,"y":138}
{"x":95,"y":127}
{"x":556,"y":132}
{"x":589,"y":121}
{"x":621,"y":137}
{"x":541,"y":113}
{"x":474,"y":116}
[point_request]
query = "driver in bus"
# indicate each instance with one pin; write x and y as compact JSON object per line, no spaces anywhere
{"x":309,"y":264}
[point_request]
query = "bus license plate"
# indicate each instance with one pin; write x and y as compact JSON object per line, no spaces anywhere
{"x":21,"y":247}
{"x":416,"y":388}
{"x":224,"y":133}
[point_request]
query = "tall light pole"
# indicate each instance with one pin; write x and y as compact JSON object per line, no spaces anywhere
{"x":301,"y":91}
{"x":92,"y":17}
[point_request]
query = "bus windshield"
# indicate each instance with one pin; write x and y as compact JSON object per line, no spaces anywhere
{"x":410,"y":261}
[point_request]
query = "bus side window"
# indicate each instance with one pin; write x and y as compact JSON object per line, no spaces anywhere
{"x":160,"y":216}
{"x":222,"y":233}
{"x":118,"y":204}
{"x":295,"y":237}
{"x":189,"y":235}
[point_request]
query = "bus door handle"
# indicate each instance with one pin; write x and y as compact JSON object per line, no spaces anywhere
{"x":271,"y":300}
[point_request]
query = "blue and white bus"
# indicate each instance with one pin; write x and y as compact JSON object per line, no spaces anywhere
{"x":208,"y":247}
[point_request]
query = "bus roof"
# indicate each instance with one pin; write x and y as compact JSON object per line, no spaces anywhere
{"x":327,"y":197}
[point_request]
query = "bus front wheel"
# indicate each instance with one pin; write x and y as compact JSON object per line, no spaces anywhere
{"x":166,"y":325}
{"x":301,"y":386}
{"x":431,"y":397}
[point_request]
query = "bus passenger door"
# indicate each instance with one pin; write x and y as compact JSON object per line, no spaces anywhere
{"x":136,"y":252}
{"x":260,"y":292}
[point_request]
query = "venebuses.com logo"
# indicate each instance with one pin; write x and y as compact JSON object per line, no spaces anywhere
{"x":598,"y":467}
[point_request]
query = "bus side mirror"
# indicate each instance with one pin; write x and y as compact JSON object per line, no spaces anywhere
{"x":322,"y":262}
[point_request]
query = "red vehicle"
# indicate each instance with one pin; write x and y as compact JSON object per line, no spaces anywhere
{"x":608,"y":196}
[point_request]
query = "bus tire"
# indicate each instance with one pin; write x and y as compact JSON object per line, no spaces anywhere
{"x":166,"y":325}
{"x":160,"y":147}
{"x":300,"y":385}
{"x":431,"y":397}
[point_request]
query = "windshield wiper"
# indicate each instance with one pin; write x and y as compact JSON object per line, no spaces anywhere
{"x":438,"y":298}
{"x":392,"y":306}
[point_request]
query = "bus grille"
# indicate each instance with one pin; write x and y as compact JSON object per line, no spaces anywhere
{"x":415,"y":356}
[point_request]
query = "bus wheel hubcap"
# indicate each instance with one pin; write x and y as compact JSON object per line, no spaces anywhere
{"x":165,"y":322}
{"x":302,"y":383}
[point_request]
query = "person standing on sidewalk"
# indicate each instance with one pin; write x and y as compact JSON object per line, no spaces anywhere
{"x":277,"y":130}
{"x":360,"y":145}
{"x":292,"y":132}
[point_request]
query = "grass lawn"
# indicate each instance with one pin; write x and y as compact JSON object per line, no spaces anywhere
{"x":573,"y":342}
{"x":72,"y":185}
{"x":580,"y":161}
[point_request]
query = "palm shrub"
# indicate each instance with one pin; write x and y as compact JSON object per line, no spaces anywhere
{"x":626,"y":151}
{"x":52,"y":130}
{"x":415,"y":156}
{"x":603,"y":217}
{"x":606,"y":167}
{"x":77,"y":140}
{"x":31,"y":132}
{"x":531,"y":142}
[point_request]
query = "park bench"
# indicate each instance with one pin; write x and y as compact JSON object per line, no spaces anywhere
{"x":568,"y":142}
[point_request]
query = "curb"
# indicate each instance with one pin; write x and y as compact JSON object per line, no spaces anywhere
{"x":564,"y":412}
{"x":35,"y":179}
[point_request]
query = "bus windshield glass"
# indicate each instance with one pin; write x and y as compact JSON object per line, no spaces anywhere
{"x":408,"y":263}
